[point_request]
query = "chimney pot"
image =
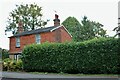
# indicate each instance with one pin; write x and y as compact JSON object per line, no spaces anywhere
{"x":56,"y":16}
{"x":56,"y":21}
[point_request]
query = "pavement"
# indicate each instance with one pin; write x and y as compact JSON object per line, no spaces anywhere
{"x":30,"y":76}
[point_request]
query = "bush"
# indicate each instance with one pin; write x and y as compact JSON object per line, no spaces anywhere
{"x":4,"y":53}
{"x":12,"y":65}
{"x":94,"y":56}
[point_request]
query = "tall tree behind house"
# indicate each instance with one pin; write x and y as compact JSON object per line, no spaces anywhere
{"x":30,"y":16}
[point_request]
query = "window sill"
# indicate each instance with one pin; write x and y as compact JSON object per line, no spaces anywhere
{"x":17,"y":47}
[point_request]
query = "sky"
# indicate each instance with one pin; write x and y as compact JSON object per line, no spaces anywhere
{"x":102,"y":11}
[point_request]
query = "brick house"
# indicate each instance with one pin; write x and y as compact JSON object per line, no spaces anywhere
{"x":56,"y":33}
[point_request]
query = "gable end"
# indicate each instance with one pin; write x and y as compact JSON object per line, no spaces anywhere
{"x":59,"y":27}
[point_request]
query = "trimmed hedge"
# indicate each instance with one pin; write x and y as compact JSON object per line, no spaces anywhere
{"x":94,"y":56}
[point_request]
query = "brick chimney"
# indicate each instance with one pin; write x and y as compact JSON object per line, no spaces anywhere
{"x":20,"y":27}
{"x":56,"y":21}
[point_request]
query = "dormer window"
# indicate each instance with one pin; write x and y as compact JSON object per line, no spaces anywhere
{"x":38,"y":38}
{"x":17,"y":41}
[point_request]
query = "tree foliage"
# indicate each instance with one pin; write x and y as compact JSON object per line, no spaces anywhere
{"x":73,"y":26}
{"x":117,"y":29}
{"x":30,"y":15}
{"x":84,"y":31}
{"x":4,"y":54}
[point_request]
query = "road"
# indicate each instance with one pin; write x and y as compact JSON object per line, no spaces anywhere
{"x":29,"y":76}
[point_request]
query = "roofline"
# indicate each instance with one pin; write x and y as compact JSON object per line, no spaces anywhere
{"x":27,"y":34}
{"x":55,"y":28}
{"x":50,"y":31}
{"x":67,"y":31}
{"x":10,"y":36}
{"x":36,"y":31}
{"x":59,"y":27}
{"x":23,"y":35}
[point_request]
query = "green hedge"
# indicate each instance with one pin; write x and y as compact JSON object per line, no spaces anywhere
{"x":94,"y":56}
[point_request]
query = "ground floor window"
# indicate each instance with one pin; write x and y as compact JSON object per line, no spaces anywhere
{"x":17,"y":56}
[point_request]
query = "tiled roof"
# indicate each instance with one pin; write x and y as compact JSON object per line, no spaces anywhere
{"x":41,"y":30}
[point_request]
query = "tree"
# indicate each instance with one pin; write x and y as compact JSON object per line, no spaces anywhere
{"x":84,"y":31}
{"x":29,"y":15}
{"x":4,"y":54}
{"x":91,"y":29}
{"x":117,"y":29}
{"x":73,"y":26}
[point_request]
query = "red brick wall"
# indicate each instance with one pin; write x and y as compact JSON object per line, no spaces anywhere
{"x":13,"y":48}
{"x":29,"y":39}
{"x":47,"y":37}
{"x":57,"y":35}
{"x":65,"y":36}
{"x":24,"y":40}
{"x":61,"y":35}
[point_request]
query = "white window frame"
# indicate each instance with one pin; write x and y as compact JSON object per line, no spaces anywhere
{"x":17,"y":56}
{"x":17,"y":41}
{"x":37,"y":38}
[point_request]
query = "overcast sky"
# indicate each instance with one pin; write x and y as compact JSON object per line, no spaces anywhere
{"x":102,"y":11}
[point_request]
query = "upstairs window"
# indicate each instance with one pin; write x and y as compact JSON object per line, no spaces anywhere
{"x":17,"y":41}
{"x":38,"y":38}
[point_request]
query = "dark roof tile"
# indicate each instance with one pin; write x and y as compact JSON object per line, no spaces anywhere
{"x":41,"y":30}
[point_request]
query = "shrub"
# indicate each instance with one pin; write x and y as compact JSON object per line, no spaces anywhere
{"x":94,"y":56}
{"x":12,"y":65}
{"x":3,"y":54}
{"x":19,"y":65}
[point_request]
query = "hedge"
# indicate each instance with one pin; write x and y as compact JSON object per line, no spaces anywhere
{"x":98,"y":56}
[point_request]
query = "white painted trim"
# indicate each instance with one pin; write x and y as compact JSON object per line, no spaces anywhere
{"x":19,"y":52}
{"x":59,"y":27}
{"x":55,"y":28}
{"x":66,"y":31}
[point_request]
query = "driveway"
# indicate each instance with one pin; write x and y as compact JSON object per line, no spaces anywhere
{"x":30,"y":76}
